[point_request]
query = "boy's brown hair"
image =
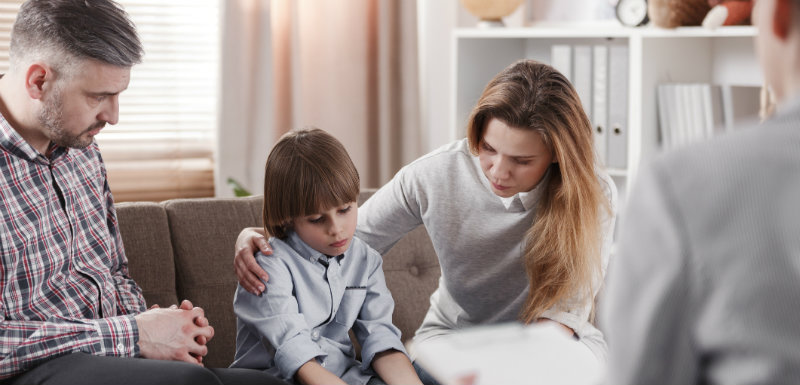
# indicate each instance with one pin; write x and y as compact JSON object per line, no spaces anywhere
{"x":308,"y":171}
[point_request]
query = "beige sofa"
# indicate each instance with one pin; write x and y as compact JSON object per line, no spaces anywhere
{"x":183,"y":249}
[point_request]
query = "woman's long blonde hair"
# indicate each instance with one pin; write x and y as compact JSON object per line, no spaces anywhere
{"x":563,"y":246}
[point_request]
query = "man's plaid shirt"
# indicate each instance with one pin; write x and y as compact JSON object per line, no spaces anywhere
{"x":64,"y":278}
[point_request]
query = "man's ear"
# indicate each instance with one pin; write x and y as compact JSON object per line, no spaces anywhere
{"x":782,"y":18}
{"x":35,"y":78}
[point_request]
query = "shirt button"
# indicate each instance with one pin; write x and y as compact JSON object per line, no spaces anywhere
{"x":322,"y":364}
{"x":121,"y":347}
{"x":315,"y":335}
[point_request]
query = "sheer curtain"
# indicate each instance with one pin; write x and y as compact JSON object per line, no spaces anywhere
{"x":349,"y":67}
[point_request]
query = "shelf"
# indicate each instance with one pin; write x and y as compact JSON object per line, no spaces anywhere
{"x":728,"y":31}
{"x":543,"y":32}
{"x":602,"y":31}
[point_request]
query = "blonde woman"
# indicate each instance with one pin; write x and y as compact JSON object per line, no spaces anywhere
{"x":520,"y":215}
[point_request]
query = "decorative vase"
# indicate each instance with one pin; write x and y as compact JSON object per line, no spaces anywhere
{"x":677,"y":13}
{"x":491,"y":12}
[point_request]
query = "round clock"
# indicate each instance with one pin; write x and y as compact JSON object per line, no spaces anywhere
{"x":632,"y":13}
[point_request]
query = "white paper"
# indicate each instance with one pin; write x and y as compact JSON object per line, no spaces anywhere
{"x":509,"y":354}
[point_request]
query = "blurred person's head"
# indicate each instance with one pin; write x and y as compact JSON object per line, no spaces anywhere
{"x":778,"y":45}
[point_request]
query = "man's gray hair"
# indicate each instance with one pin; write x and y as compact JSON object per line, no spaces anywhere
{"x":69,"y":30}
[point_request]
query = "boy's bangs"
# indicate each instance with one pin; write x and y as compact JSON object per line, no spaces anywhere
{"x":328,"y":190}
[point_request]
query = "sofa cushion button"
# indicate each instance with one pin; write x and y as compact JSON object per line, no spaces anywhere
{"x":414,"y":270}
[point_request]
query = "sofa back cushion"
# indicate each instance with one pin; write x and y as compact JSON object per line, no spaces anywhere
{"x":145,"y":236}
{"x":204,"y":233}
{"x":412,"y":274}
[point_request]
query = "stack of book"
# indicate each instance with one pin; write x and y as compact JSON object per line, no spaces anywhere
{"x":692,"y":112}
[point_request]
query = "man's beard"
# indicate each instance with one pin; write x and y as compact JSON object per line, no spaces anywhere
{"x":51,"y":118}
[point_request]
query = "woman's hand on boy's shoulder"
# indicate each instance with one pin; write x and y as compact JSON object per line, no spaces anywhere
{"x":251,"y":276}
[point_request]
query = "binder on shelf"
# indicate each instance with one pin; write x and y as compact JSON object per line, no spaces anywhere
{"x":666,"y":114}
{"x":618,"y":106}
{"x":582,"y":77}
{"x":561,"y":59}
{"x":702,"y":123}
{"x":712,"y":101}
{"x":599,"y":100}
{"x":694,"y":112}
{"x":694,"y":131}
{"x":686,"y":127}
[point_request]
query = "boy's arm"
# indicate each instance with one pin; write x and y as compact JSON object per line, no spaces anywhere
{"x":373,"y":327}
{"x":312,"y":373}
{"x":394,"y":367}
{"x":275,"y":316}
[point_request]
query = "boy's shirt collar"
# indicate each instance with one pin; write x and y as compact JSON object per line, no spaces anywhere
{"x":295,"y":242}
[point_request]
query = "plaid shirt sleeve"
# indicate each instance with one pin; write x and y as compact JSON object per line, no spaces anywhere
{"x":25,"y":344}
{"x":129,"y":294}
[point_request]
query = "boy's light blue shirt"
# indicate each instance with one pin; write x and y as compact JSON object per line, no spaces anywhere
{"x":310,"y":304}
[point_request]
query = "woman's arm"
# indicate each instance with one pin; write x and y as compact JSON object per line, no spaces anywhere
{"x":251,"y":276}
{"x":312,"y":373}
{"x":391,"y":212}
{"x":395,"y":368}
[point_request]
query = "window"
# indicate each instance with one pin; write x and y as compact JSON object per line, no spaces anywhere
{"x":163,"y":146}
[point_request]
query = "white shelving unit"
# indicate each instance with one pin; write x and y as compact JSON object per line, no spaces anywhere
{"x":688,"y":54}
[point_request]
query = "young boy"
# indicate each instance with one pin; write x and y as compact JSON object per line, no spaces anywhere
{"x":323,"y":281}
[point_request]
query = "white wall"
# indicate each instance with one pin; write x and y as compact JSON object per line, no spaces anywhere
{"x":436,"y":21}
